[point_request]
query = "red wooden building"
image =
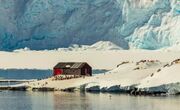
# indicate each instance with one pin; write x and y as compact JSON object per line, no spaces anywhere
{"x":72,"y":68}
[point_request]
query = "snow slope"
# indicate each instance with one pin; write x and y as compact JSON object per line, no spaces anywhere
{"x":124,"y":75}
{"x":144,"y":75}
{"x":98,"y":46}
{"x":166,"y":80}
{"x":50,"y":24}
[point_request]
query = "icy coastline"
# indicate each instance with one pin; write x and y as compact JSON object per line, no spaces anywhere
{"x":148,"y":77}
{"x":128,"y":72}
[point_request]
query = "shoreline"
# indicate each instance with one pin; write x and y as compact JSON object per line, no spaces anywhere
{"x":133,"y":72}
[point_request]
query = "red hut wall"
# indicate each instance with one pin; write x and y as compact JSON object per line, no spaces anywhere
{"x":58,"y":72}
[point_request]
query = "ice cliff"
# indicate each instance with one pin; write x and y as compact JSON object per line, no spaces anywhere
{"x":49,"y":24}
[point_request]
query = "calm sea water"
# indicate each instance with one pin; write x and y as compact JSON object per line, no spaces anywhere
{"x":24,"y":74}
{"x":83,"y":101}
{"x":29,"y":74}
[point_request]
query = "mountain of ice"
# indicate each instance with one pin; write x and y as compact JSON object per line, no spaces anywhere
{"x":49,"y":24}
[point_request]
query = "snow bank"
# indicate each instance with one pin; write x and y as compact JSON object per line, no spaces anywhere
{"x":98,"y":46}
{"x":164,"y":76}
{"x":166,"y":79}
{"x":105,"y":45}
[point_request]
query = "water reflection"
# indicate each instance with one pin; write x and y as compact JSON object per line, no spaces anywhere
{"x":88,"y":101}
{"x":15,"y":101}
{"x":42,"y":100}
{"x":83,"y":101}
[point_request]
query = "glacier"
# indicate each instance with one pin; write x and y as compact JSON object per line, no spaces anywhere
{"x":50,"y":24}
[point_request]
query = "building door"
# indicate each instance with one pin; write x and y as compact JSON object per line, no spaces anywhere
{"x":86,"y":71}
{"x":58,"y":72}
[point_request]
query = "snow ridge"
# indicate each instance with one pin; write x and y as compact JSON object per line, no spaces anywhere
{"x":98,"y":46}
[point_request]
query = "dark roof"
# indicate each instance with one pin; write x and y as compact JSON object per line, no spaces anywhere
{"x":67,"y":65}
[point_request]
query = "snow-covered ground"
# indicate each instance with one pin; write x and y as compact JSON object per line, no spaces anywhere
{"x":142,"y":69}
{"x":149,"y":76}
{"x":97,"y":59}
{"x":101,"y":55}
{"x":166,"y":79}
